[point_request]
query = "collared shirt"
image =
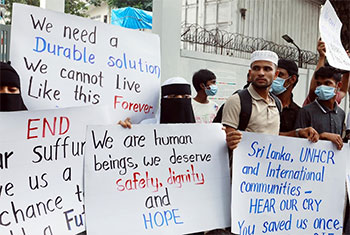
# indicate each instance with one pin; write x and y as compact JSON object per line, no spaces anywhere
{"x":264,"y":118}
{"x":321,"y":118}
{"x":289,"y":116}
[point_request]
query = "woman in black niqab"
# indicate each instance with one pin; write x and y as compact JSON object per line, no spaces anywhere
{"x":10,"y":89}
{"x":175,"y":104}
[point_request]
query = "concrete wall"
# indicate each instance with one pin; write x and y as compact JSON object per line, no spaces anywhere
{"x":98,"y":13}
{"x":267,"y":19}
{"x":232,"y":73}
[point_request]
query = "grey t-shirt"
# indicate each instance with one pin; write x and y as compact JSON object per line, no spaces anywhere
{"x":321,"y":118}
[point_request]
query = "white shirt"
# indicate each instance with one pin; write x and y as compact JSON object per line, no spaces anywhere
{"x":204,"y":113}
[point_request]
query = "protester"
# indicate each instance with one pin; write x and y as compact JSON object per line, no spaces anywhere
{"x":204,"y":81}
{"x":324,"y":114}
{"x":10,"y":89}
{"x":175,"y":104}
{"x":341,"y":93}
{"x":263,"y":113}
{"x":282,"y":87}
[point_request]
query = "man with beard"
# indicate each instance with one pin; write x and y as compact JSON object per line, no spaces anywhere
{"x":264,"y":116}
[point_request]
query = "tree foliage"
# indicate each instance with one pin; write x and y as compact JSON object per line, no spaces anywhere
{"x":141,"y":4}
{"x":74,"y":7}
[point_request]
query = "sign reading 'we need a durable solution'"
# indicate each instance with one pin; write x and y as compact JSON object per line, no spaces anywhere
{"x":41,"y":170}
{"x":156,"y":179}
{"x":287,"y":185}
{"x":66,"y":61}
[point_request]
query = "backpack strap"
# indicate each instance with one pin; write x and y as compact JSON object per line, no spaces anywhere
{"x":246,"y":109}
{"x":277,"y":101}
{"x":218,"y":116}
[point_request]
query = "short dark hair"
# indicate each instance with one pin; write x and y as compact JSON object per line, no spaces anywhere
{"x":328,"y":72}
{"x":202,"y":76}
{"x":291,"y":68}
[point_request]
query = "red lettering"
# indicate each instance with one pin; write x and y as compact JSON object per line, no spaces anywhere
{"x":128,"y":105}
{"x":135,"y":107}
{"x":139,"y":181}
{"x":32,"y":128}
{"x":67,"y":125}
{"x":120,"y":187}
{"x":46,"y":123}
{"x":115,"y":101}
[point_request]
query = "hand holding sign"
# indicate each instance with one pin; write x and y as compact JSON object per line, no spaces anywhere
{"x":330,"y":29}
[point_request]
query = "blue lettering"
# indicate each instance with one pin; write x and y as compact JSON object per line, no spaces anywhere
{"x":38,"y":39}
{"x":161,"y":218}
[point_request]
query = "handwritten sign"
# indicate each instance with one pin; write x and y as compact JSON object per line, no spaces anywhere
{"x":41,"y":171}
{"x":330,"y":29}
{"x":348,"y":174}
{"x":68,"y":61}
{"x":287,"y":185}
{"x":156,"y":179}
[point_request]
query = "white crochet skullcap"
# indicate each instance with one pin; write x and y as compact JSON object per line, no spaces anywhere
{"x":264,"y":55}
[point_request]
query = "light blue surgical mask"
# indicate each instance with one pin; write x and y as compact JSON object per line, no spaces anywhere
{"x":277,"y":86}
{"x":212,"y":90}
{"x":325,"y":92}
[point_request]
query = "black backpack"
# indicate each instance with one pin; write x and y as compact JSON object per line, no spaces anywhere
{"x":246,"y":108}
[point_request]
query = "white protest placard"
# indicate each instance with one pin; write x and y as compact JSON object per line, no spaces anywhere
{"x":66,"y":61}
{"x":330,"y":30}
{"x":41,"y":170}
{"x":156,"y":179}
{"x":284,"y":185}
{"x":348,"y":172}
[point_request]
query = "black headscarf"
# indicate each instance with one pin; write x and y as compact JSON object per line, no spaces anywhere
{"x":9,"y":77}
{"x":176,"y":110}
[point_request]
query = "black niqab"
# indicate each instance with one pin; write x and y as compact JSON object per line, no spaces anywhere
{"x":176,"y":110}
{"x":9,"y":77}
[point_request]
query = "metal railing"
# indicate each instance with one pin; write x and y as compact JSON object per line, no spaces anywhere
{"x":197,"y":38}
{"x":4,"y":42}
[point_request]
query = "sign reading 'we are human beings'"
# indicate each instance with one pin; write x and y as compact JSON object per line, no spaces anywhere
{"x":156,"y":179}
{"x":66,"y":61}
{"x":284,"y":185}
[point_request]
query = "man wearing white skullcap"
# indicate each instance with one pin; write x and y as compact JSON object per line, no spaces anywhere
{"x":264,"y":116}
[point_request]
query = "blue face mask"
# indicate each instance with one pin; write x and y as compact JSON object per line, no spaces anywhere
{"x":212,"y":90}
{"x":277,"y":86}
{"x":325,"y":92}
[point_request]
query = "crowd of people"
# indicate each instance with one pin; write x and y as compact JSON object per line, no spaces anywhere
{"x":264,"y":105}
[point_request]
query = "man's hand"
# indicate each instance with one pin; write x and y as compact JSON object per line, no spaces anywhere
{"x":335,"y":138}
{"x":310,"y":133}
{"x":126,"y":123}
{"x":321,"y":48}
{"x":233,"y":137}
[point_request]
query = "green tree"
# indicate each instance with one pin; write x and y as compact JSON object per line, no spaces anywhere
{"x":141,"y":4}
{"x":74,"y":7}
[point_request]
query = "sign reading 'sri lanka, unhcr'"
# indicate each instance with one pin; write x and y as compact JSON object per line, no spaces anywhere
{"x":287,"y":185}
{"x":156,"y":179}
{"x":41,"y":170}
{"x":66,"y":61}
